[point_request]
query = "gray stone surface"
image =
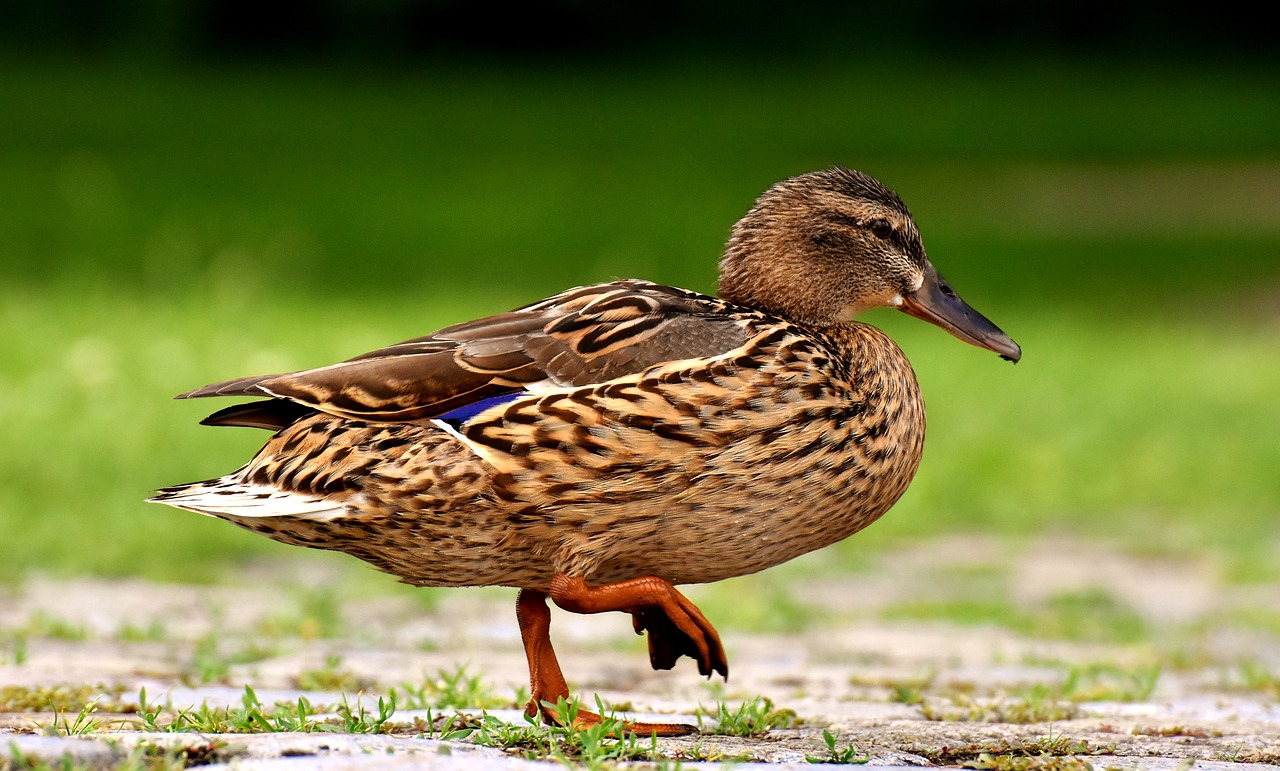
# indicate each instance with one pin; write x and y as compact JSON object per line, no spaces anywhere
{"x":904,"y":693}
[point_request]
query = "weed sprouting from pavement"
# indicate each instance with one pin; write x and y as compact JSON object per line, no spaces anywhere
{"x":83,"y":723}
{"x":451,"y":690}
{"x":250,"y":717}
{"x":592,"y":746}
{"x":752,"y":718}
{"x":16,"y":642}
{"x":1051,"y":752}
{"x":902,"y":690}
{"x":1039,"y":702}
{"x":990,"y":762}
{"x":1110,"y":682}
{"x":359,"y":720}
{"x":1254,"y":676}
{"x":152,"y":632}
{"x":62,"y":698}
{"x":207,"y":665}
{"x":211,"y":664}
{"x":44,"y":624}
{"x":148,"y":712}
{"x":328,"y":677}
{"x":149,"y":757}
{"x":849,"y":755}
{"x":1037,"y":707}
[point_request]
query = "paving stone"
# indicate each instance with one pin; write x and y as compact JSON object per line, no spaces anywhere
{"x":851,"y":674}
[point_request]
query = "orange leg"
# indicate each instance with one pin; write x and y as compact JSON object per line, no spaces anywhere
{"x":546,"y":681}
{"x":676,"y":627}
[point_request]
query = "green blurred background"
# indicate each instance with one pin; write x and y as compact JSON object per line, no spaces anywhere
{"x":193,"y":191}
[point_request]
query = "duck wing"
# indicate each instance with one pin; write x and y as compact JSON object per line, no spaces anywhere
{"x":580,"y":337}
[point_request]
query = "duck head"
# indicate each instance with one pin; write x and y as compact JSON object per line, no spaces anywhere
{"x":820,"y":248}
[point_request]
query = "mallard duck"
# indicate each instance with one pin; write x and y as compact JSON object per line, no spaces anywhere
{"x":606,"y":444}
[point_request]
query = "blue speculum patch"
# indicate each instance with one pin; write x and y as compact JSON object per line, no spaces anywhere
{"x":466,"y":412}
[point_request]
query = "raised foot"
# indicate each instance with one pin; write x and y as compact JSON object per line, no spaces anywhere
{"x":675,"y":625}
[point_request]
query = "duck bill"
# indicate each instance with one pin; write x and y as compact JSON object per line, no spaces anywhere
{"x":937,"y":303}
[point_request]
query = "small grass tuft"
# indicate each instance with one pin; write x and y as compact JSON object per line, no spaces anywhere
{"x":849,"y":755}
{"x":250,"y":717}
{"x":756,"y":717}
{"x":902,"y":690}
{"x":1004,"y":754}
{"x":146,"y":756}
{"x":1041,"y":702}
{"x":963,"y":707}
{"x":329,"y":677}
{"x":152,"y":632}
{"x":83,"y":723}
{"x":597,"y":746}
{"x":1174,"y":730}
{"x":1110,"y":682}
{"x":317,"y":615}
{"x":359,"y":720}
{"x":49,"y":626}
{"x":1028,"y":763}
{"x":16,"y":643}
{"x":63,"y":698}
{"x":452,"y":690}
{"x":210,"y":664}
{"x":1253,"y":676}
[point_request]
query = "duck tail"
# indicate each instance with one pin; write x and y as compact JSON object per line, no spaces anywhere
{"x":233,"y":498}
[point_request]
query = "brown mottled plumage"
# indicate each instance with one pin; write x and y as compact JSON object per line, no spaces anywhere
{"x":606,"y":443}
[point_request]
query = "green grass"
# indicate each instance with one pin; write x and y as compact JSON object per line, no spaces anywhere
{"x":1143,"y":432}
{"x":849,"y":754}
{"x":1254,"y":677}
{"x":63,"y":698}
{"x":452,"y":690}
{"x":1052,"y":751}
{"x":328,"y":677}
{"x":1118,"y":429}
{"x":212,"y":658}
{"x":595,"y":746}
{"x":1038,"y":702}
{"x":1047,"y":182}
{"x":1043,"y":762}
{"x":255,"y":717}
{"x":755,"y":717}
{"x":167,"y":229}
{"x":1092,"y":615}
{"x":592,"y":746}
{"x":1017,"y":710}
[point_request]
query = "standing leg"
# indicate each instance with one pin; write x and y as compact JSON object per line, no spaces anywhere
{"x":546,"y":682}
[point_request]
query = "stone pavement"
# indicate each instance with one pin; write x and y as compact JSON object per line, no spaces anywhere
{"x":900,"y":692}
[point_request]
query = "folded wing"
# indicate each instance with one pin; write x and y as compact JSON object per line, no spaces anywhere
{"x":583,"y":336}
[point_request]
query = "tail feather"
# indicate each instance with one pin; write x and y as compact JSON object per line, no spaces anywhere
{"x":233,"y":498}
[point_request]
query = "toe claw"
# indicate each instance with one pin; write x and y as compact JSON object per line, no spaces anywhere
{"x":668,"y":642}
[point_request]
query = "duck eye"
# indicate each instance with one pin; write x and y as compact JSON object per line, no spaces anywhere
{"x":880,"y":228}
